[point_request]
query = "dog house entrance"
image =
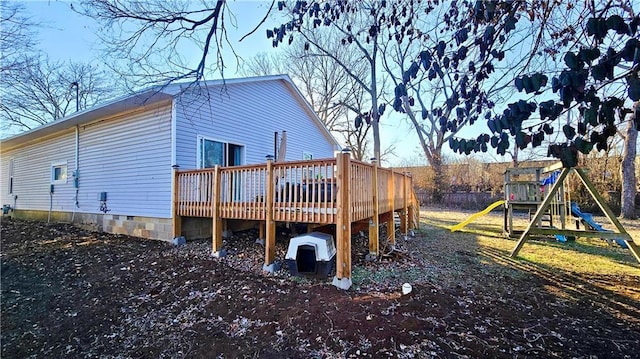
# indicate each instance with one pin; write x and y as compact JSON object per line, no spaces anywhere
{"x":306,"y":259}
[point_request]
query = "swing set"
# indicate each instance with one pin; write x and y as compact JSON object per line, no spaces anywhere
{"x":545,"y":194}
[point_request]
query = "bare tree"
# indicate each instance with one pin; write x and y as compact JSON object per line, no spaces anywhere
{"x":265,"y":63}
{"x":44,"y":91}
{"x":443,"y":79}
{"x":354,"y":31}
{"x":151,"y":37}
{"x":17,"y":33}
{"x":423,"y":48}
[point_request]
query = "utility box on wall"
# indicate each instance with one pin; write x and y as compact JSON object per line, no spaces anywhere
{"x":311,"y":255}
{"x":102,"y":196}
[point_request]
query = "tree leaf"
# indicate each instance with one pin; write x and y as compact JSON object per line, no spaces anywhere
{"x":572,"y":61}
{"x":588,"y":55}
{"x":597,"y":28}
{"x":569,"y":131}
{"x":358,"y":122}
{"x":630,"y":48}
{"x":492,"y":126}
{"x":555,"y":84}
{"x":537,"y":139}
{"x":442,"y":121}
{"x":440,"y":49}
{"x":591,"y":116}
{"x":519,"y":83}
{"x":494,"y":142}
{"x":452,"y":144}
{"x":568,"y":156}
{"x":598,"y":72}
{"x":616,"y":23}
{"x":634,"y":88}
{"x":425,"y":59}
{"x":510,"y":24}
{"x":583,"y":146}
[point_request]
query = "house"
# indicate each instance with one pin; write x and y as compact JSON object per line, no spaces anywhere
{"x":111,"y":166}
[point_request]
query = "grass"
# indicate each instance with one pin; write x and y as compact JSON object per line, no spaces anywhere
{"x":585,"y":255}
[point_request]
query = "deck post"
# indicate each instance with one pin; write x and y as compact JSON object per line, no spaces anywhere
{"x":270,"y":224}
{"x":216,"y":224}
{"x":391,"y":222}
{"x":404,"y":226}
{"x":176,"y":219}
{"x":374,"y":224}
{"x":412,"y":204}
{"x":342,"y":279}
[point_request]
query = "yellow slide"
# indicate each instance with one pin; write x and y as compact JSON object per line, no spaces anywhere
{"x":460,"y":225}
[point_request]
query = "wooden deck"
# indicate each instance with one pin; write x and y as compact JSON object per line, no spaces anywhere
{"x":338,"y":191}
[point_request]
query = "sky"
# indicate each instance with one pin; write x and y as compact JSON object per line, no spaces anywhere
{"x":65,"y":35}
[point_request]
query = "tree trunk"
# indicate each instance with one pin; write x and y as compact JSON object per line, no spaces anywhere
{"x":376,"y":138}
{"x":628,"y":169}
{"x":439,"y":178}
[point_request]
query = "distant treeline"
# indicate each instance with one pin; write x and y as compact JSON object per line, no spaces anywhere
{"x":474,"y":185}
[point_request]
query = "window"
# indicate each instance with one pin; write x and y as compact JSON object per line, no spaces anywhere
{"x":59,"y":173}
{"x":212,"y":153}
{"x":11,"y":165}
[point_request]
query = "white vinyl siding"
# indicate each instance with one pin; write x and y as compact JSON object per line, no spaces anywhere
{"x":32,"y":177}
{"x":127,"y":156}
{"x":247,"y":114}
{"x":130,"y":159}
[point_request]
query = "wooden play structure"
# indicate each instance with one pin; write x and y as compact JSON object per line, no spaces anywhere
{"x":524,"y":191}
{"x":544,"y":194}
{"x":336,"y":191}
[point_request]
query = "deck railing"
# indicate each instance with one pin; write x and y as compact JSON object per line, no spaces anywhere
{"x":303,"y":191}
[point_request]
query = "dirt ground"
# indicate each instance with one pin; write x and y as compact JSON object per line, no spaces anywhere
{"x":68,"y":292}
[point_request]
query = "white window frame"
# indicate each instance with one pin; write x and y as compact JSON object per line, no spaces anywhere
{"x":12,"y":165}
{"x":225,"y":144}
{"x":55,"y":165}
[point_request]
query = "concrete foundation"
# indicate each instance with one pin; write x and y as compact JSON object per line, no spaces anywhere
{"x":273,"y":267}
{"x":137,"y":226}
{"x":342,"y":283}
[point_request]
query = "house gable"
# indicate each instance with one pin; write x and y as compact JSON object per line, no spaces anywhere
{"x":248,"y":113}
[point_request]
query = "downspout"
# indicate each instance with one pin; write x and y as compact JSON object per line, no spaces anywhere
{"x":275,"y":146}
{"x":50,"y":203}
{"x":76,"y":173}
